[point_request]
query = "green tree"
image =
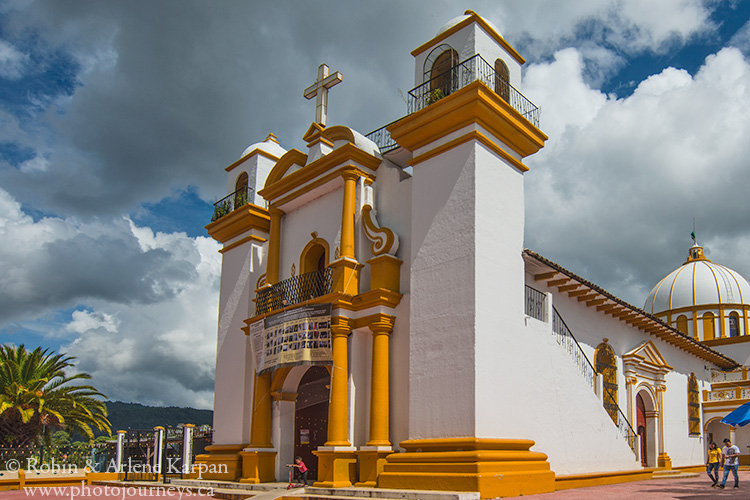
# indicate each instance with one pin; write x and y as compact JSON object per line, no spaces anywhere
{"x":37,"y":397}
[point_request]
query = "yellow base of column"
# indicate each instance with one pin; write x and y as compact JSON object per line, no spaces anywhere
{"x":258,"y":466}
{"x":223,"y":462}
{"x":345,"y":276}
{"x":371,"y":464}
{"x":385,"y":273}
{"x":493,"y":467}
{"x":664,"y":462}
{"x":336,"y":468}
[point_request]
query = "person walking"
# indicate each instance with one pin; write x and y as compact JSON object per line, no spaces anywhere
{"x":713,"y":461}
{"x":730,"y":456}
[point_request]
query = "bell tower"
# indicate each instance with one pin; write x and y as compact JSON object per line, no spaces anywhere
{"x":469,"y":129}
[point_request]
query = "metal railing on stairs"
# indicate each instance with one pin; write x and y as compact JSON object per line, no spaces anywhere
{"x":566,"y":339}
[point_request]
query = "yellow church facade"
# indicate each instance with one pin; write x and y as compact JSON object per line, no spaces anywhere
{"x":380,"y":317}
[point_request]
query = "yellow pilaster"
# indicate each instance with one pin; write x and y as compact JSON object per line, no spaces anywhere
{"x":260,"y":431}
{"x":629,"y":383}
{"x":274,"y":245}
{"x":337,"y":459}
{"x":663,"y":460}
{"x":258,"y":459}
{"x":347,"y":213}
{"x":385,"y":272}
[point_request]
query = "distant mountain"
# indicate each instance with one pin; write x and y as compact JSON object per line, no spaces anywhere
{"x":137,"y":416}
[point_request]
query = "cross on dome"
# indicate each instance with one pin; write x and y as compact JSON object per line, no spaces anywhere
{"x":319,"y":90}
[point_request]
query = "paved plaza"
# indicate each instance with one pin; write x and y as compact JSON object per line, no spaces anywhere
{"x":694,"y":488}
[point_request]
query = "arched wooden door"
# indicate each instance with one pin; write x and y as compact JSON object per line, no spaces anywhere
{"x":311,"y":416}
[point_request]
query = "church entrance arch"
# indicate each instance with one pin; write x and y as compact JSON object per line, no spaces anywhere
{"x":646,"y":420}
{"x":311,"y":416}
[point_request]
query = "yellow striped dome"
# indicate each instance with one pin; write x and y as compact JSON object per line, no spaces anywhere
{"x":698,"y":282}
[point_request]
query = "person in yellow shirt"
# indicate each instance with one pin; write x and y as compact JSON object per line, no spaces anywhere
{"x":713,"y":462}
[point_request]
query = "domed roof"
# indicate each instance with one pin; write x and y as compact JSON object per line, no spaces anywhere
{"x":698,"y":282}
{"x":270,"y":146}
{"x":466,"y":15}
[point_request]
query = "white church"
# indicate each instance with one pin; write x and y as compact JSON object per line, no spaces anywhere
{"x":380,"y":317}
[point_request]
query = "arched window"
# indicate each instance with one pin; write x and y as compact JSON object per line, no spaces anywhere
{"x":313,"y":280}
{"x":682,"y":324}
{"x":439,"y":69}
{"x":606,"y":364}
{"x":694,"y":407}
{"x":709,"y":332}
{"x":502,"y":80}
{"x":240,"y":190}
{"x":734,"y":324}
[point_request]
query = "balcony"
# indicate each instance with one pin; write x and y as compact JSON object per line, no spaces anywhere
{"x":231,"y":202}
{"x":459,"y":76}
{"x":732,"y":394}
{"x":293,"y":291}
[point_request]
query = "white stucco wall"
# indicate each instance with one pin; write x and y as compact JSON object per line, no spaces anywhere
{"x":442,"y":312}
{"x":233,"y":385}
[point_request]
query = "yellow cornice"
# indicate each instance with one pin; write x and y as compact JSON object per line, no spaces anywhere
{"x":474,"y":104}
{"x":473,"y":17}
{"x":235,"y":223}
{"x":727,"y":340}
{"x":252,"y":237}
{"x":291,"y":157}
{"x":251,"y":153}
{"x":333,"y":161}
{"x":361,"y":302}
{"x":474,"y":134}
{"x":729,"y":403}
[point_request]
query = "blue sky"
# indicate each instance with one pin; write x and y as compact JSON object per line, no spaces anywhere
{"x":118,"y":118}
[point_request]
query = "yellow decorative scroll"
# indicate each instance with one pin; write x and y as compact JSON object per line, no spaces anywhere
{"x":383,"y":239}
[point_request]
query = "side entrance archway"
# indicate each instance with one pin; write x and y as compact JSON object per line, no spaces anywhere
{"x":646,"y":420}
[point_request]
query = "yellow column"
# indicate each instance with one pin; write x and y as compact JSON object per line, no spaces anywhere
{"x":379,"y":394}
{"x":347,"y":213}
{"x":663,"y":461}
{"x":338,"y":409}
{"x":337,"y":459}
{"x":372,"y":456}
{"x":274,"y":245}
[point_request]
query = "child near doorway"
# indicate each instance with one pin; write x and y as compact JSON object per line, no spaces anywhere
{"x":301,"y":470}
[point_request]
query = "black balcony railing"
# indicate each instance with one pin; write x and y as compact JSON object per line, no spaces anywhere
{"x":471,"y":70}
{"x":232,"y":202}
{"x":382,"y":138}
{"x":293,"y":291}
{"x":536,"y":303}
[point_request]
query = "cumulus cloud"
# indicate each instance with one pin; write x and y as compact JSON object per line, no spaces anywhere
{"x":148,"y":328}
{"x":12,"y":61}
{"x":627,"y":176}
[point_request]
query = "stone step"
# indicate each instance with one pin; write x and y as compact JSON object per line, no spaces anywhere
{"x":674,"y":474}
{"x":387,"y":494}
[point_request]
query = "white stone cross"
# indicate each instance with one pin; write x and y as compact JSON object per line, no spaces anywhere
{"x":319,"y":89}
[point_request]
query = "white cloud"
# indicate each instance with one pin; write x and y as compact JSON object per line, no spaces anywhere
{"x":12,"y":61}
{"x":627,"y":176}
{"x":147,"y":332}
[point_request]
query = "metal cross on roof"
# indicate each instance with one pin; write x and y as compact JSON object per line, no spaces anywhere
{"x":319,"y":89}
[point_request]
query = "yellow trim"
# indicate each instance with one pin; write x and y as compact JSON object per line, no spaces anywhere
{"x":345,"y":154}
{"x":348,"y":210}
{"x":338,"y":407}
{"x":382,"y":238}
{"x":290,"y":158}
{"x":473,"y":135}
{"x":385,"y":272}
{"x":258,"y":467}
{"x":322,"y":181}
{"x":473,"y":17}
{"x":243,"y":219}
{"x":314,"y":131}
{"x":475,"y":103}
{"x":308,"y":267}
{"x":252,"y":237}
{"x":274,"y":246}
{"x":728,"y":340}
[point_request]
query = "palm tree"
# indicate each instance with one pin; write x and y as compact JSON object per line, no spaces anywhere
{"x":37,"y":397}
